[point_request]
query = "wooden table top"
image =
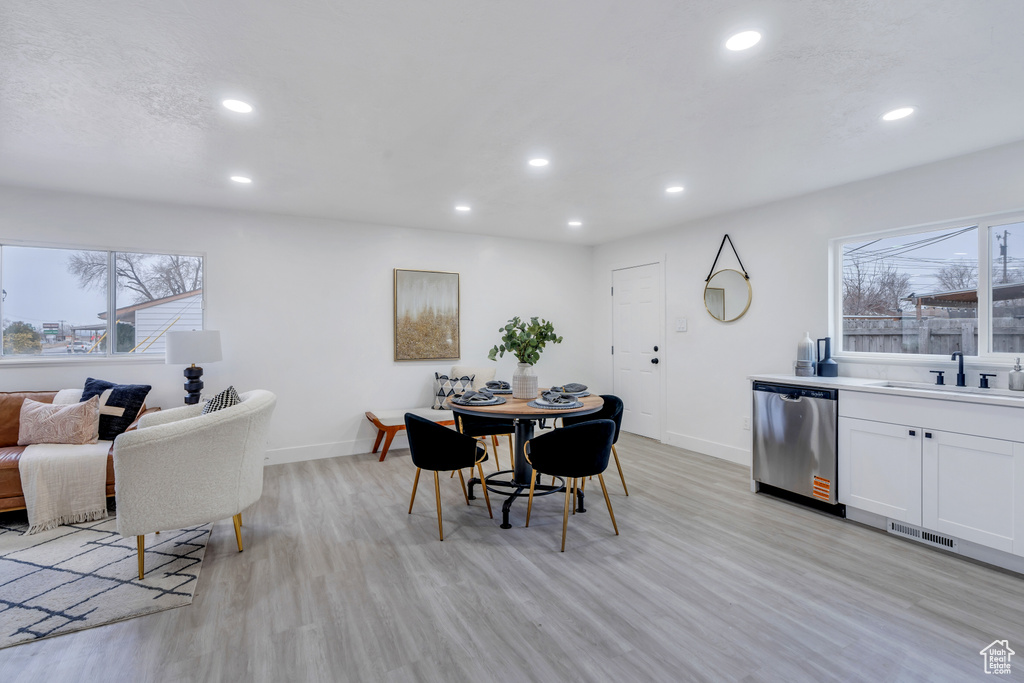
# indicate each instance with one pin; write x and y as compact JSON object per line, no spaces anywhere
{"x":517,"y":407}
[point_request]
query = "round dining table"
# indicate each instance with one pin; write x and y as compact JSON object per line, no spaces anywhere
{"x":515,"y":481}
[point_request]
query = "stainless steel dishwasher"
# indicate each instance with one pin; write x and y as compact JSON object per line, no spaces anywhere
{"x":795,"y":439}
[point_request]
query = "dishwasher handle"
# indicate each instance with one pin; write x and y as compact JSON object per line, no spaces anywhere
{"x":792,"y":398}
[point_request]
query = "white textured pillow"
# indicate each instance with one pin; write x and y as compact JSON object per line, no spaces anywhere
{"x":48,"y":423}
{"x":66,"y":397}
{"x":481,"y":376}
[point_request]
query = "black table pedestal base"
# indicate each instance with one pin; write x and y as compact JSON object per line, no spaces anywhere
{"x":502,"y":486}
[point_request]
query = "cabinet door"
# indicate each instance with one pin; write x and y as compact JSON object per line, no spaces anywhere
{"x":880,"y":468}
{"x":970,"y":487}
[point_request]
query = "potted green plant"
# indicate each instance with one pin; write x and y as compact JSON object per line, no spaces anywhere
{"x":525,"y":341}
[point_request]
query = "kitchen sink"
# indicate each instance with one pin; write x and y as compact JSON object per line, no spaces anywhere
{"x":948,"y":388}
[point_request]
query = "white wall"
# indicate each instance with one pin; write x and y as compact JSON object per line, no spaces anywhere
{"x":784,"y":247}
{"x":271,"y":279}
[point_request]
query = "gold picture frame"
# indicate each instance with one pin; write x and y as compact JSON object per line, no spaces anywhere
{"x":426,"y":315}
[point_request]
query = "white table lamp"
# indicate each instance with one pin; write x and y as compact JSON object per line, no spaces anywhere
{"x":189,"y":348}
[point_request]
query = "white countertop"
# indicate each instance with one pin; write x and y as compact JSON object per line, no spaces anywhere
{"x":997,"y":397}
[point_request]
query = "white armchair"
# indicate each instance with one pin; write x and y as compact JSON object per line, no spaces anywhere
{"x":180,"y":468}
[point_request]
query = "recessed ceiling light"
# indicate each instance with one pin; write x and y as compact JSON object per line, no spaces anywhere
{"x":538,"y":162}
{"x":575,"y":224}
{"x":897,"y":114}
{"x":744,"y":40}
{"x":674,"y":189}
{"x":241,"y":179}
{"x":237,"y":105}
{"x":462,"y":207}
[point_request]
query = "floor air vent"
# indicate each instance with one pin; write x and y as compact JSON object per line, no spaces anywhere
{"x":920,"y":535}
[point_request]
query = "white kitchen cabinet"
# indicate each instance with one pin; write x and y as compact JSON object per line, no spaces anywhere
{"x":880,"y":468}
{"x":973,"y":488}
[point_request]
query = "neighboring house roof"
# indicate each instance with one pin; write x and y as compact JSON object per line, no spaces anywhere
{"x":965,"y":298}
{"x":127,"y":314}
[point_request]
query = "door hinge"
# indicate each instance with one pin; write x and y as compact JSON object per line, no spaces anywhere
{"x":613,"y":291}
{"x":613,"y":350}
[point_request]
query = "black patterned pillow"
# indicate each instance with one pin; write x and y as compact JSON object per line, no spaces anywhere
{"x":119,"y":404}
{"x":225,"y":399}
{"x":445,"y":386}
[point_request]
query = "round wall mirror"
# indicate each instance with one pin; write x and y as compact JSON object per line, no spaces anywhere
{"x":727,"y":295}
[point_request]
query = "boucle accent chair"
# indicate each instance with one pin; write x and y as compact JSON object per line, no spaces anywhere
{"x":180,"y":468}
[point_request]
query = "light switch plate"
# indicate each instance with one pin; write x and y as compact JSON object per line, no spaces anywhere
{"x":680,"y":324}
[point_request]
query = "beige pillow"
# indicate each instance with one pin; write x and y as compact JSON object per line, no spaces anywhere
{"x":481,"y":375}
{"x":47,"y":423}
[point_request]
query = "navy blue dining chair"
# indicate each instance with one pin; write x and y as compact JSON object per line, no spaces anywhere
{"x":436,"y":448}
{"x":574,"y":453}
{"x":611,"y":410}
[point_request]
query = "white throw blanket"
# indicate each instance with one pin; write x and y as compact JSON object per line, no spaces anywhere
{"x":64,"y":484}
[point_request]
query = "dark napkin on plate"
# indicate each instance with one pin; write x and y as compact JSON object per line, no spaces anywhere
{"x":571,"y":388}
{"x":498,"y":384}
{"x":482,"y":396}
{"x":558,"y":397}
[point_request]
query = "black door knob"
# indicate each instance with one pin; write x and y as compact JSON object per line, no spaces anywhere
{"x":654,"y":360}
{"x":655,"y":348}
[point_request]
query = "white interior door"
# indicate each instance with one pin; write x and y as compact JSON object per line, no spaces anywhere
{"x":636,"y":337}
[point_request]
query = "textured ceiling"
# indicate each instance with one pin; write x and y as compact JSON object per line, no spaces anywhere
{"x":392,"y":112}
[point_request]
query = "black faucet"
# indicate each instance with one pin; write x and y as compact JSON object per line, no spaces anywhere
{"x":961,"y":378}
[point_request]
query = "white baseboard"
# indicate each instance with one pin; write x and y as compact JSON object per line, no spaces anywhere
{"x":740,"y":456}
{"x":279,"y":456}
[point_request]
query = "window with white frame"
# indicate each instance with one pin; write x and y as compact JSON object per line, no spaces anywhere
{"x":933,"y":291}
{"x":82,"y":303}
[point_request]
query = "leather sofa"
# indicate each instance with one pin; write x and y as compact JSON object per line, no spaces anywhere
{"x":11,"y":495}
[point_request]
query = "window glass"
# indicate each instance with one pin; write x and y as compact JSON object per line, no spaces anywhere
{"x":1007,"y":287}
{"x":156,"y":293}
{"x":915,"y":293}
{"x":53,"y":302}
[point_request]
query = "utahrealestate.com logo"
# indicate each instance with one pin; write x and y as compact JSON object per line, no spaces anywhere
{"x":997,"y":657}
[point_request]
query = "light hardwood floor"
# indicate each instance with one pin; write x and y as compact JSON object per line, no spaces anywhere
{"x":707,"y":582}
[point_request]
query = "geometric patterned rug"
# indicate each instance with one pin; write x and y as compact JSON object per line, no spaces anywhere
{"x":79,"y":576}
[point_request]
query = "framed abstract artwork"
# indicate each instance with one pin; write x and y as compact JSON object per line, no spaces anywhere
{"x":426,"y":315}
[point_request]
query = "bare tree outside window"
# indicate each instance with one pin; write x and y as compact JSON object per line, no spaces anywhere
{"x":147,"y":276}
{"x":874,"y":288}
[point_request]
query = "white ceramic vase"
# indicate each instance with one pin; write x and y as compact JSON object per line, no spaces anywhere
{"x":524,"y":382}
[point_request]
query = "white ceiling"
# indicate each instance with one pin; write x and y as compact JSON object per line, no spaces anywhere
{"x":392,"y":112}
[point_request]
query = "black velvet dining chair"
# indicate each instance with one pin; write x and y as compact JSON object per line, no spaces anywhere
{"x":611,"y":410}
{"x":436,"y":448}
{"x":483,"y":427}
{"x":574,"y":453}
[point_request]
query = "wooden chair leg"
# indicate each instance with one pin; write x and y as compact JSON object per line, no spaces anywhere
{"x":414,"y":483}
{"x":387,"y":442}
{"x":494,"y":443}
{"x":529,"y":505}
{"x":483,"y":485}
{"x":616,"y":454}
{"x":565,"y":512}
{"x":608,"y":501}
{"x":462,"y":480}
{"x":437,"y":494}
{"x":140,"y":542}
{"x":511,"y":453}
{"x":380,"y":437}
{"x":238,"y":531}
